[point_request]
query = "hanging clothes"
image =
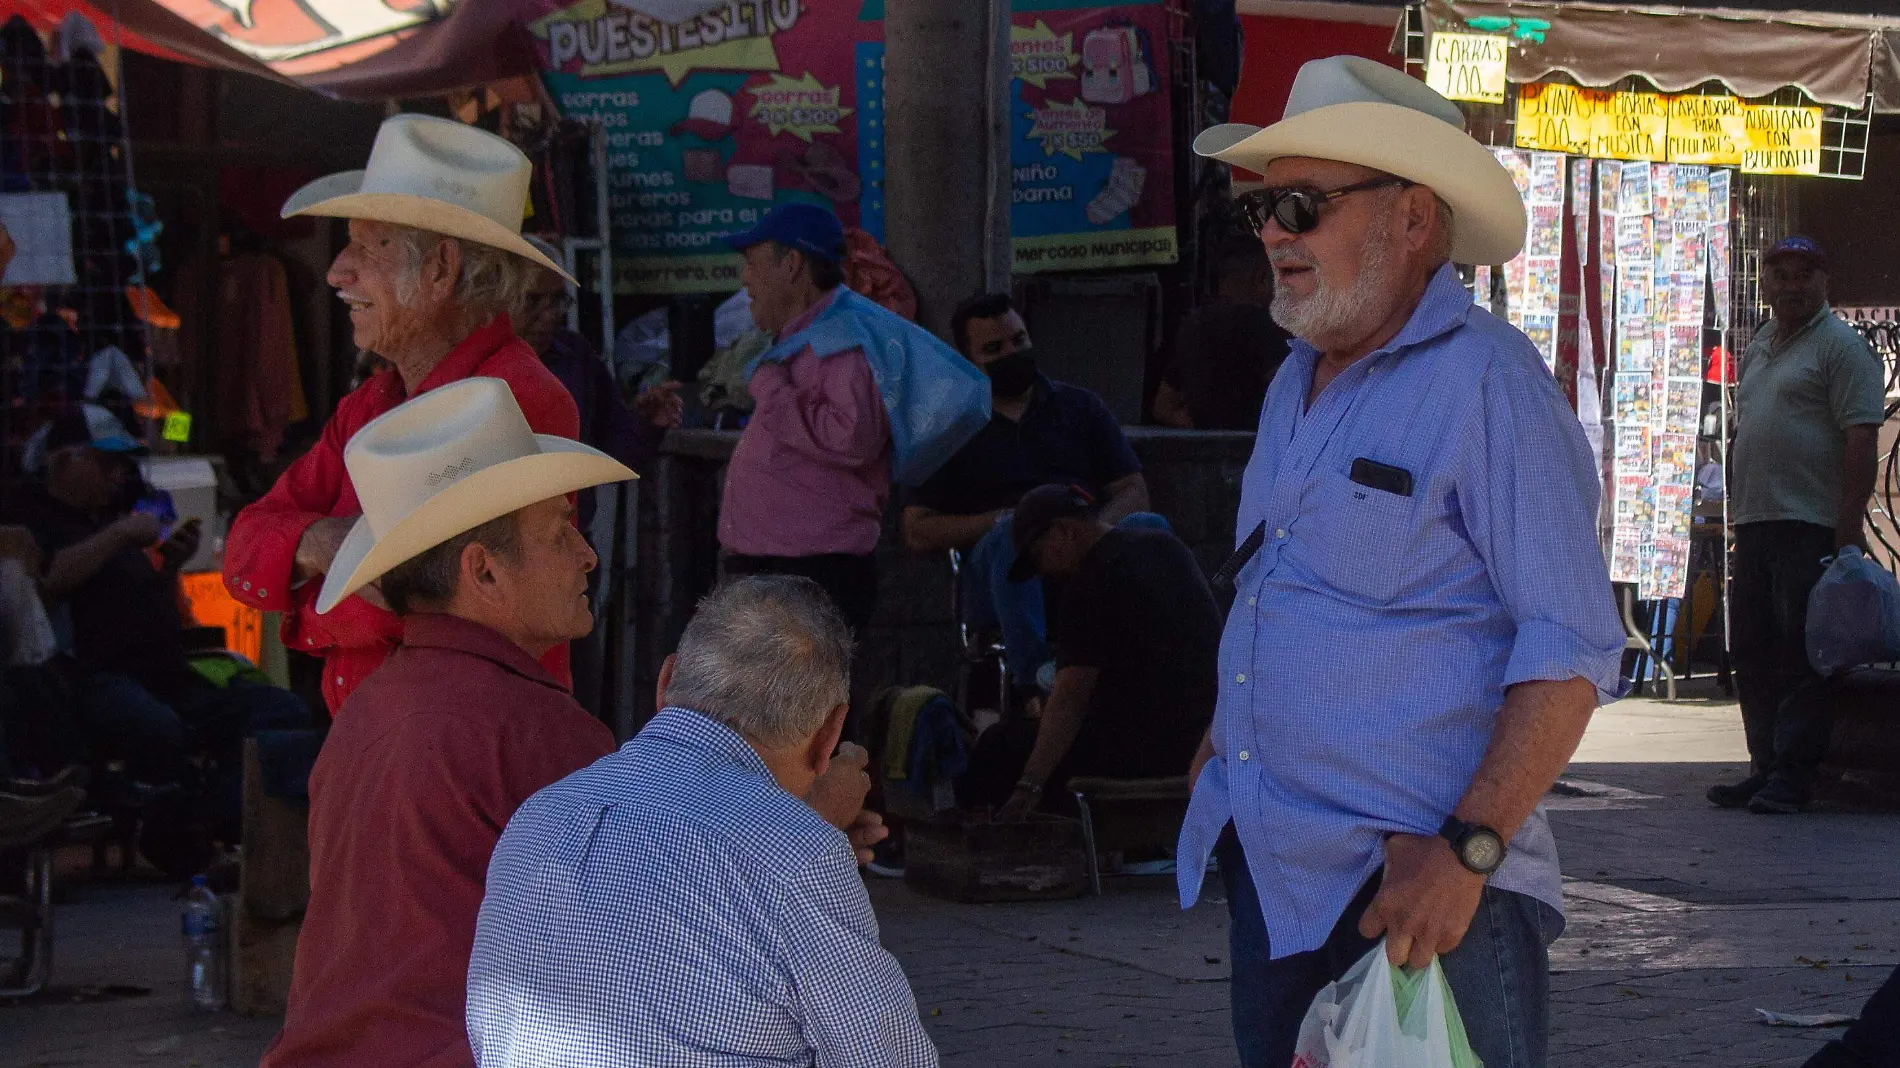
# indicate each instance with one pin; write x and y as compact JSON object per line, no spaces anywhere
{"x":257,"y":355}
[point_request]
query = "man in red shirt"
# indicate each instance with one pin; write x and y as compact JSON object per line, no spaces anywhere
{"x":435,"y":261}
{"x":468,"y":525}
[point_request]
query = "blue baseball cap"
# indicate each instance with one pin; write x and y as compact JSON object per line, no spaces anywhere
{"x":810,"y":229}
{"x":1796,"y":245}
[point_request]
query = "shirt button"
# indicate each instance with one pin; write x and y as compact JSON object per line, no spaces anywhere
{"x":1251,"y":601}
{"x":339,"y":680}
{"x":1281,"y":533}
{"x":247,"y":585}
{"x":1242,"y":677}
{"x":263,"y":593}
{"x":1244,"y":754}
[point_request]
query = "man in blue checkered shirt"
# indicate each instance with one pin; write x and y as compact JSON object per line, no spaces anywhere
{"x":683,"y":901}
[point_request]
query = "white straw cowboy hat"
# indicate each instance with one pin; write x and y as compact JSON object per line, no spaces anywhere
{"x":1353,"y":110}
{"x":436,"y":175}
{"x":443,"y":464}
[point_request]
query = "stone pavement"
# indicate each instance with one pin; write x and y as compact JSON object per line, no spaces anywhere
{"x":1683,"y":921}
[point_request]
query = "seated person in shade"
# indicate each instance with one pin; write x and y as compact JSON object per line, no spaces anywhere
{"x":1226,"y":350}
{"x":1041,"y":431}
{"x":1137,"y":633}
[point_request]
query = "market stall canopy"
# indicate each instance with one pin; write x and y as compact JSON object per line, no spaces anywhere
{"x":356,"y":49}
{"x":1834,"y":57}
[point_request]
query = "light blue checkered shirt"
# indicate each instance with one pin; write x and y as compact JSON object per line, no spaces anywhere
{"x":1374,"y":634}
{"x":671,"y":905}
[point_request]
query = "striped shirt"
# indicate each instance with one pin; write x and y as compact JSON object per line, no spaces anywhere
{"x":1374,"y":633}
{"x":673,"y":905}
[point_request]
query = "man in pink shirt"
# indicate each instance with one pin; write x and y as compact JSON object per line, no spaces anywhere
{"x":808,"y":481}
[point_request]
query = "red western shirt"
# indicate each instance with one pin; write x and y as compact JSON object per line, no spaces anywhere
{"x":431,"y":757}
{"x":355,"y":636}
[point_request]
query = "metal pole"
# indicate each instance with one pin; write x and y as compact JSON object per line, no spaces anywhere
{"x":946,"y":89}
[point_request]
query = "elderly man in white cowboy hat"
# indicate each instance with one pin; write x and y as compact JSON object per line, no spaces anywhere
{"x":468,"y":524}
{"x":1422,"y":623}
{"x":435,"y":261}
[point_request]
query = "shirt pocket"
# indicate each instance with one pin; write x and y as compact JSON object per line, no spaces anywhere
{"x":1357,"y":538}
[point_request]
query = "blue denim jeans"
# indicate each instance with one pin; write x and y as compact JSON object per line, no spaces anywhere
{"x":1499,"y":975}
{"x":991,"y":600}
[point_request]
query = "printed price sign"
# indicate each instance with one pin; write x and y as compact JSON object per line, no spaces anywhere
{"x":1468,"y":66}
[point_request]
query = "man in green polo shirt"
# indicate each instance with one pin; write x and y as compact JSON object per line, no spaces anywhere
{"x":1811,"y":404}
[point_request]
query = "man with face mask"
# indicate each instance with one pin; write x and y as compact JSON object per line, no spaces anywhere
{"x":1811,"y":405}
{"x":1041,"y":431}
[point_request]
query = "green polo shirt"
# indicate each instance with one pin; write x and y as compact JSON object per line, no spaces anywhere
{"x":1798,"y":396}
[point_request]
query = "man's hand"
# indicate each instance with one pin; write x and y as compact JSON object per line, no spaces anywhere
{"x":316,"y":550}
{"x":661,"y":405}
{"x":182,"y":545}
{"x":838,"y":794}
{"x":136,"y":529}
{"x":866,"y":831}
{"x":1018,"y":807}
{"x":1425,"y":901}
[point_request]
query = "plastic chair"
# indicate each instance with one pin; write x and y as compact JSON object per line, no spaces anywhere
{"x":974,"y":649}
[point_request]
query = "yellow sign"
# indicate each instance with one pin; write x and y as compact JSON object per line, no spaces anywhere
{"x":1557,"y":118}
{"x":1468,"y":66}
{"x":1782,"y":140}
{"x":1708,"y":130}
{"x":177,"y":427}
{"x":1632,"y":126}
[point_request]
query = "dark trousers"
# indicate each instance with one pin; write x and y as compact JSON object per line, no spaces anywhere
{"x":851,"y":581}
{"x":1499,"y":975}
{"x":1874,"y":1040}
{"x":1786,"y":707}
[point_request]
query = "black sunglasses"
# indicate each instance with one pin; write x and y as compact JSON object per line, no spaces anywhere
{"x":1297,"y":209}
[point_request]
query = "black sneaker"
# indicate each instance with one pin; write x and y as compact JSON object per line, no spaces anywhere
{"x":1778,"y":799}
{"x":1735,"y":795}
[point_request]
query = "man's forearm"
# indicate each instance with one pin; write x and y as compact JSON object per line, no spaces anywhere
{"x":1537,"y":733}
{"x":926,"y":531}
{"x":1860,"y":470}
{"x":1061,"y":722}
{"x":1125,"y":499}
{"x":74,"y":565}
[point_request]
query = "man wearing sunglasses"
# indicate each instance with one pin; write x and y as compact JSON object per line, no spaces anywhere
{"x":1422,"y":623}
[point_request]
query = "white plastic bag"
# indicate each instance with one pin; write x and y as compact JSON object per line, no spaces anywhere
{"x":1379,"y":1016}
{"x":1853,"y":614}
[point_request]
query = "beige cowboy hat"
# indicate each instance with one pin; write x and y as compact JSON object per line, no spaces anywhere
{"x":443,"y":464}
{"x":436,"y":175}
{"x":1353,"y":110}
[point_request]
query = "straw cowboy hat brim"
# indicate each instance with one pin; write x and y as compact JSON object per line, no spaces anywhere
{"x":340,"y":196}
{"x":561,"y":467}
{"x":1487,"y":211}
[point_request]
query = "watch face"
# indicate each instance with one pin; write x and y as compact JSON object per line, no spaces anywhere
{"x":1483,"y":852}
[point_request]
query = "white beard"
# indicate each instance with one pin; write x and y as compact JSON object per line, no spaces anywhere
{"x":1328,"y":313}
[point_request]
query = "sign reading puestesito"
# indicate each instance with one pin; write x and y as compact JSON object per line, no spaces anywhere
{"x":1468,"y":66}
{"x":1708,"y":130}
{"x":716,"y":110}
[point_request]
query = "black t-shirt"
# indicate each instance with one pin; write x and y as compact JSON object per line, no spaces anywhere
{"x":1225,"y":354}
{"x":125,"y":617}
{"x":1067,"y":435}
{"x":1140,"y":611}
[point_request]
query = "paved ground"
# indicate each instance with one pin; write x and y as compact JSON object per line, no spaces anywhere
{"x":1683,"y":922}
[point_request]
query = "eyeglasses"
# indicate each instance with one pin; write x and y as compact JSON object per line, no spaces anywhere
{"x":1297,"y":210}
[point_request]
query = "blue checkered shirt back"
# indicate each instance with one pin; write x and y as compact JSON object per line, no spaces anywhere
{"x":671,"y":905}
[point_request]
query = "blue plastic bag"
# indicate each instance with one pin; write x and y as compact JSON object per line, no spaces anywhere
{"x":936,"y":400}
{"x":1853,"y":614}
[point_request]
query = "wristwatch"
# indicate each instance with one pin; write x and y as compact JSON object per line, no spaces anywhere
{"x":1480,"y":849}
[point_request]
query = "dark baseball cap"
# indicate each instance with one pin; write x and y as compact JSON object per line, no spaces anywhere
{"x":810,"y":229}
{"x":1035,"y":514}
{"x":1797,"y":245}
{"x":79,"y":424}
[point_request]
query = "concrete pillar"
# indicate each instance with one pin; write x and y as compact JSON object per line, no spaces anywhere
{"x":946,"y":162}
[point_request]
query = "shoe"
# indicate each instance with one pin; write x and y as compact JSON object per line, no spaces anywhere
{"x":1735,"y":795}
{"x":1778,"y":799}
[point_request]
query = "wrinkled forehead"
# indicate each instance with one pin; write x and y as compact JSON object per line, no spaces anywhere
{"x":1319,"y":173}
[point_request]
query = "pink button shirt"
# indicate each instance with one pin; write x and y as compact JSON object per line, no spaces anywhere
{"x":812,"y":472}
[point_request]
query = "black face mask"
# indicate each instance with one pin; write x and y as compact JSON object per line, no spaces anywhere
{"x":1013,"y":375}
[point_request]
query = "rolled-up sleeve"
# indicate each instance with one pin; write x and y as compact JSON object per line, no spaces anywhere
{"x":261,"y":551}
{"x":853,"y":1002}
{"x":1529,"y":490}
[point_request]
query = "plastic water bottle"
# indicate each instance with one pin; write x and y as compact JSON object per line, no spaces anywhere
{"x":204,"y":955}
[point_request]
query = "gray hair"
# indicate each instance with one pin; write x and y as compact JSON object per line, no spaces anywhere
{"x":493,"y":280}
{"x":768,"y":656}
